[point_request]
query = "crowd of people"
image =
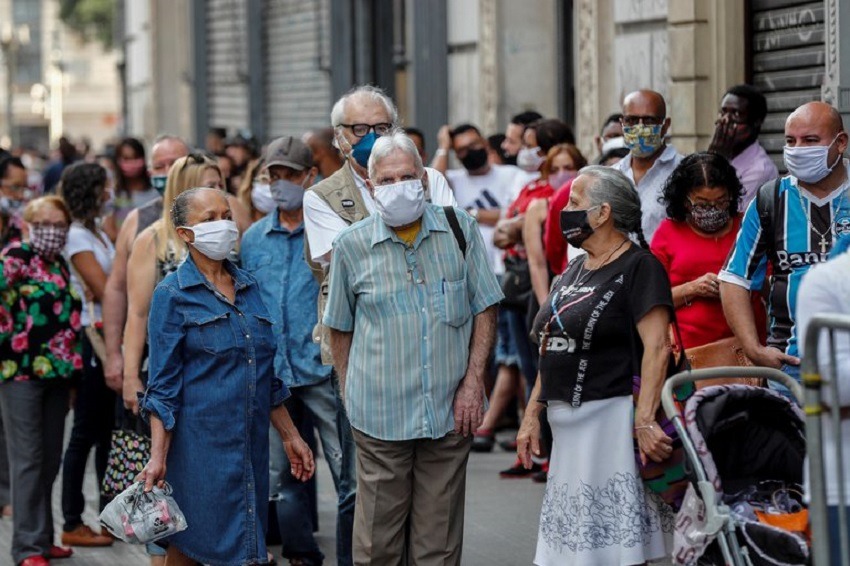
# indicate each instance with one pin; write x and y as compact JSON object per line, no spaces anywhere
{"x":237,"y":301}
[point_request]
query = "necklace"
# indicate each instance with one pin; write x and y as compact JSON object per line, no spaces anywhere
{"x":587,"y":274}
{"x":823,"y":244}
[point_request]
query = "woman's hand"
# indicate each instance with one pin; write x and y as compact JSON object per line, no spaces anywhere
{"x":154,"y":473}
{"x":528,"y":439}
{"x":653,"y":443}
{"x":707,"y":286}
{"x":300,"y":458}
{"x":132,"y":386}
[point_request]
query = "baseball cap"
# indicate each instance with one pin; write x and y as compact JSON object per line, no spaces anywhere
{"x":289,"y":152}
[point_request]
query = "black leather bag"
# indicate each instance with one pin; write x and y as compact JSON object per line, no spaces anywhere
{"x":516,"y":284}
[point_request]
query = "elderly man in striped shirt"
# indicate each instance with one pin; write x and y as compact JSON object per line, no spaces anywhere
{"x":412,"y":313}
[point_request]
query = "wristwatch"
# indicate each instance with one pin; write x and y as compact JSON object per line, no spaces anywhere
{"x":473,"y":212}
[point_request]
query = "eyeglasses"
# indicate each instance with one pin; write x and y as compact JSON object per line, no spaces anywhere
{"x":361,"y":130}
{"x":717,"y":204}
{"x":57,"y":225}
{"x":646,"y":120}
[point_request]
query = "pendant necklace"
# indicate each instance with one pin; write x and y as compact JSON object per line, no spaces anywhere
{"x":805,"y":205}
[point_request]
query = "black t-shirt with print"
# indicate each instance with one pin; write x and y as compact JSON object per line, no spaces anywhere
{"x":592,"y":342}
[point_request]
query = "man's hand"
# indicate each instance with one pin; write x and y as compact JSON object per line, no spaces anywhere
{"x":469,"y":406}
{"x":767,"y":356}
{"x":508,"y":232}
{"x":444,"y":138}
{"x":725,"y":132}
{"x":113,"y":371}
{"x":300,"y":458}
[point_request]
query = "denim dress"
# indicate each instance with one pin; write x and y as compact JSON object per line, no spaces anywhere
{"x":212,"y":384}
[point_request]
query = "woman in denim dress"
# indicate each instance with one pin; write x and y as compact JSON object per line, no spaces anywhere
{"x":212,"y":393}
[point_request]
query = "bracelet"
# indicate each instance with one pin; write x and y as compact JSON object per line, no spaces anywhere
{"x":441,"y":152}
{"x":645,"y":427}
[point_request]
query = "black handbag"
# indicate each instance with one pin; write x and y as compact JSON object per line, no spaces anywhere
{"x":516,"y":283}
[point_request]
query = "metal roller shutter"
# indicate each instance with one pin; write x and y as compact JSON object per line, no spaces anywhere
{"x":296,"y":43}
{"x":788,"y":61}
{"x":227,"y":64}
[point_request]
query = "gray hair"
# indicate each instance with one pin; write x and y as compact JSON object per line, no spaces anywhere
{"x":392,"y":141}
{"x":613,"y":187}
{"x":366,"y":92}
{"x":183,"y":202}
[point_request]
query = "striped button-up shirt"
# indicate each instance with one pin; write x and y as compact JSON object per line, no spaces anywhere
{"x":410,"y":309}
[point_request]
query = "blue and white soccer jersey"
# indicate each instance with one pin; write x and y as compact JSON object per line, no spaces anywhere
{"x":804,"y":229}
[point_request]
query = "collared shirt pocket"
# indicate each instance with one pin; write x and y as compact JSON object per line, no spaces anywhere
{"x":452,"y":302}
{"x":214,"y":333}
{"x":264,"y":331}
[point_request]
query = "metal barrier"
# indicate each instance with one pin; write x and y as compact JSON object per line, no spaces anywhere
{"x":814,"y":381}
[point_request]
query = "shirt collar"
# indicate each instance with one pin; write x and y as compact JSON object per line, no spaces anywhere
{"x":188,"y":275}
{"x":430,"y":223}
{"x":273,"y":225}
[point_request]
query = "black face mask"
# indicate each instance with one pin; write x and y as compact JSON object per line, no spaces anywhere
{"x":474,"y":159}
{"x":509,"y":159}
{"x":575,"y":226}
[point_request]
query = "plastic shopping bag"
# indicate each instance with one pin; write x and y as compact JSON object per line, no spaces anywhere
{"x":138,"y":517}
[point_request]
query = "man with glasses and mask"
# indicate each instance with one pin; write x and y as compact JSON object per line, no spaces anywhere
{"x":742,"y":112}
{"x":14,"y":194}
{"x":359,"y":117}
{"x":272,"y":251}
{"x":412,"y":308}
{"x":650,"y":161}
{"x":792,"y":224}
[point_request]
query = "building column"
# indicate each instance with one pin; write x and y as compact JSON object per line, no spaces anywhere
{"x":836,"y":87}
{"x":706,"y":57}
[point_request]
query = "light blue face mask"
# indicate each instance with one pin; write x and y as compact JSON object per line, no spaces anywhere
{"x":158,"y":182}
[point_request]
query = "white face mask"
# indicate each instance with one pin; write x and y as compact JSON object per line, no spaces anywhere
{"x":401,"y":203}
{"x":261,"y":198}
{"x":809,"y":164}
{"x":529,"y":159}
{"x":215,"y":239}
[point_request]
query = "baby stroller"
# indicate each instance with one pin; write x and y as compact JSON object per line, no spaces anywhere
{"x":745,"y":450}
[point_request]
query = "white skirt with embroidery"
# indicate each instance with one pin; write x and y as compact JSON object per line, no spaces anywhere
{"x":595,"y":510}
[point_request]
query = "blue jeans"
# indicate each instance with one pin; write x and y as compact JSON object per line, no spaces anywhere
{"x":794,"y":372}
{"x":331,"y":422}
{"x":526,"y":351}
{"x":506,"y":354}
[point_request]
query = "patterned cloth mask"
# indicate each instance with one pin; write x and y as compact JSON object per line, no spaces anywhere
{"x":48,"y":241}
{"x":642,"y":139}
{"x":708,"y":218}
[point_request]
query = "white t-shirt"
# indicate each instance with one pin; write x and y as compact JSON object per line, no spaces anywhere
{"x":322,"y":224}
{"x":80,"y":239}
{"x":825,"y":289}
{"x":486,"y":192}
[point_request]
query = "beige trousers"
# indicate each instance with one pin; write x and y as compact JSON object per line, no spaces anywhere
{"x":410,"y":501}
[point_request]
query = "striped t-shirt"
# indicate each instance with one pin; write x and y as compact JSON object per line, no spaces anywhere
{"x":804,"y":229}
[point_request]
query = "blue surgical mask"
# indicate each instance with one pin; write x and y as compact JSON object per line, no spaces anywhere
{"x":363,"y":149}
{"x":158,"y":182}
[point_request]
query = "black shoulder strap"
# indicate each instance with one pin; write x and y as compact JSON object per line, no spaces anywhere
{"x":455,"y":225}
{"x":766,"y":199}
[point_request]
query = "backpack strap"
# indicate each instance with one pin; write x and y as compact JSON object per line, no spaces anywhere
{"x":768,"y":195}
{"x":455,"y":226}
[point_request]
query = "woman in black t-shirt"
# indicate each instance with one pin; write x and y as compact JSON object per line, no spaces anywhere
{"x":604,"y":321}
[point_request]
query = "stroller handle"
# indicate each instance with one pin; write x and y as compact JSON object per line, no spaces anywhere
{"x":692,"y":376}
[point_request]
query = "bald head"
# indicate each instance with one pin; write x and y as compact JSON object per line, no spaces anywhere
{"x":645,"y":102}
{"x":816,"y":116}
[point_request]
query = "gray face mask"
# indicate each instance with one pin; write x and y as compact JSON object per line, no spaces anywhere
{"x":288,"y":195}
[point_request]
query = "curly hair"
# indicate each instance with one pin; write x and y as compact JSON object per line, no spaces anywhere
{"x":698,"y":170}
{"x":81,"y":188}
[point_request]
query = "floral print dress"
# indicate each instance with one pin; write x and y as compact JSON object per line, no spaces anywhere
{"x":39,"y":317}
